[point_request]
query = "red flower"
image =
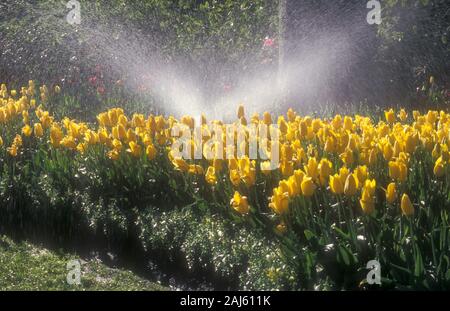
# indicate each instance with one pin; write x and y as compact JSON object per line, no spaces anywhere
{"x":268,"y":42}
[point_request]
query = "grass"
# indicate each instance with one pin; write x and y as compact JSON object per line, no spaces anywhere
{"x":24,"y":266}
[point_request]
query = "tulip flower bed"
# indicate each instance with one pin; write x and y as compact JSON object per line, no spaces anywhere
{"x":347,"y":190}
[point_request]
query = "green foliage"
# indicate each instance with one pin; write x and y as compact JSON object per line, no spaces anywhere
{"x":138,"y":208}
{"x":24,"y":266}
{"x":415,"y":42}
{"x":39,"y":42}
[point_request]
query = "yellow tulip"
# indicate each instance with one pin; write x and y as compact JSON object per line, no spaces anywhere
{"x":387,"y":151}
{"x":279,"y":202}
{"x":287,"y":152}
{"x":195,"y":169}
{"x":123,"y":120}
{"x":348,"y":123}
{"x":367,"y":202}
{"x":299,"y":175}
{"x":249,"y":177}
{"x":25,"y":116}
{"x":210,"y":175}
{"x":347,"y":157}
{"x":308,"y":186}
{"x":390,"y":116}
{"x":68,"y":142}
{"x":303,"y":130}
{"x":138,"y":120}
{"x":180,"y":165}
{"x":134,"y":149}
{"x":287,"y":168}
{"x":402,"y":115}
{"x":12,"y":150}
{"x":55,"y":135}
{"x":350,"y":186}
{"x":403,"y":170}
{"x":119,"y":132}
{"x":294,"y":187}
{"x":325,"y":170}
{"x":150,"y":151}
{"x":361,"y":175}
{"x":431,"y":117}
{"x":410,"y":143}
{"x":38,"y":130}
{"x":391,"y":193}
{"x":131,"y":135}
{"x":17,"y":140}
{"x":103,"y":119}
{"x":91,"y":138}
{"x":337,"y":122}
{"x":160,"y":123}
{"x":27,"y":131}
{"x":330,"y":145}
{"x":235,"y":178}
{"x":370,"y":186}
{"x":406,"y":206}
{"x":397,"y":148}
{"x":336,"y":184}
{"x":113,"y":154}
{"x":240,"y":204}
{"x":117,"y":144}
{"x":394,"y":170}
{"x":45,"y":119}
{"x":82,"y":147}
{"x":343,"y":173}
{"x":284,"y":186}
{"x":103,"y":137}
{"x":312,"y":169}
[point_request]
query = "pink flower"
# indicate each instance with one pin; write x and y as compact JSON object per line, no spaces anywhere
{"x":268,"y":42}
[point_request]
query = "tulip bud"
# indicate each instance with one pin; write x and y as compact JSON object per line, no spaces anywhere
{"x":350,"y":186}
{"x":406,"y":206}
{"x":391,"y":193}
